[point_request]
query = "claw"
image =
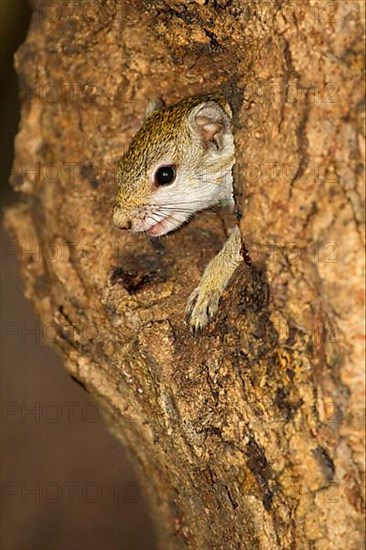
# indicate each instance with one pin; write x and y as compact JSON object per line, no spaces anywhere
{"x":191,"y":303}
{"x":201,"y":308}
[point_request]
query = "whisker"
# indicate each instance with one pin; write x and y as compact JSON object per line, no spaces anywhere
{"x":182,"y":210}
{"x":180,"y":203}
{"x":173,"y":218}
{"x":173,"y":209}
{"x":156,"y":220}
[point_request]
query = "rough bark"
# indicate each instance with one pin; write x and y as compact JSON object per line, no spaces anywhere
{"x":248,"y":435}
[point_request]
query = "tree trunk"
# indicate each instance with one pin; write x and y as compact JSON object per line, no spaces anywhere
{"x":248,"y":435}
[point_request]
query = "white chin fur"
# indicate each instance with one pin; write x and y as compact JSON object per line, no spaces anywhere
{"x":160,"y":225}
{"x":161,"y":228}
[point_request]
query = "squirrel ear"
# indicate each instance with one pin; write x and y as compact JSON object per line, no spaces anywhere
{"x":155,"y":104}
{"x":210,"y":121}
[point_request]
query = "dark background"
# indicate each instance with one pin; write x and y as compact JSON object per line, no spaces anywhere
{"x":66,"y":483}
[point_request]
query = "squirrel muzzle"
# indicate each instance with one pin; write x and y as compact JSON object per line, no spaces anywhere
{"x":121,"y":219}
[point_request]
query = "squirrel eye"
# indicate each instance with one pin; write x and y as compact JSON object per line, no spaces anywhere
{"x":165,"y":175}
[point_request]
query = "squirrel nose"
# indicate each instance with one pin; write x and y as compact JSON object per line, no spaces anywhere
{"x":120,"y":219}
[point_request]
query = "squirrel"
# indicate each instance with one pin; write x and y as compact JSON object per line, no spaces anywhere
{"x":180,"y":162}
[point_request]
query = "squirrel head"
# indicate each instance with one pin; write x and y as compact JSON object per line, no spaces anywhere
{"x":178,"y":163}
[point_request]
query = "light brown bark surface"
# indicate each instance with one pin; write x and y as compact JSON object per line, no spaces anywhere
{"x":249,"y":435}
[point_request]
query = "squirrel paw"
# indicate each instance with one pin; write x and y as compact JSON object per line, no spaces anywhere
{"x":202,"y":307}
{"x":203,"y":303}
